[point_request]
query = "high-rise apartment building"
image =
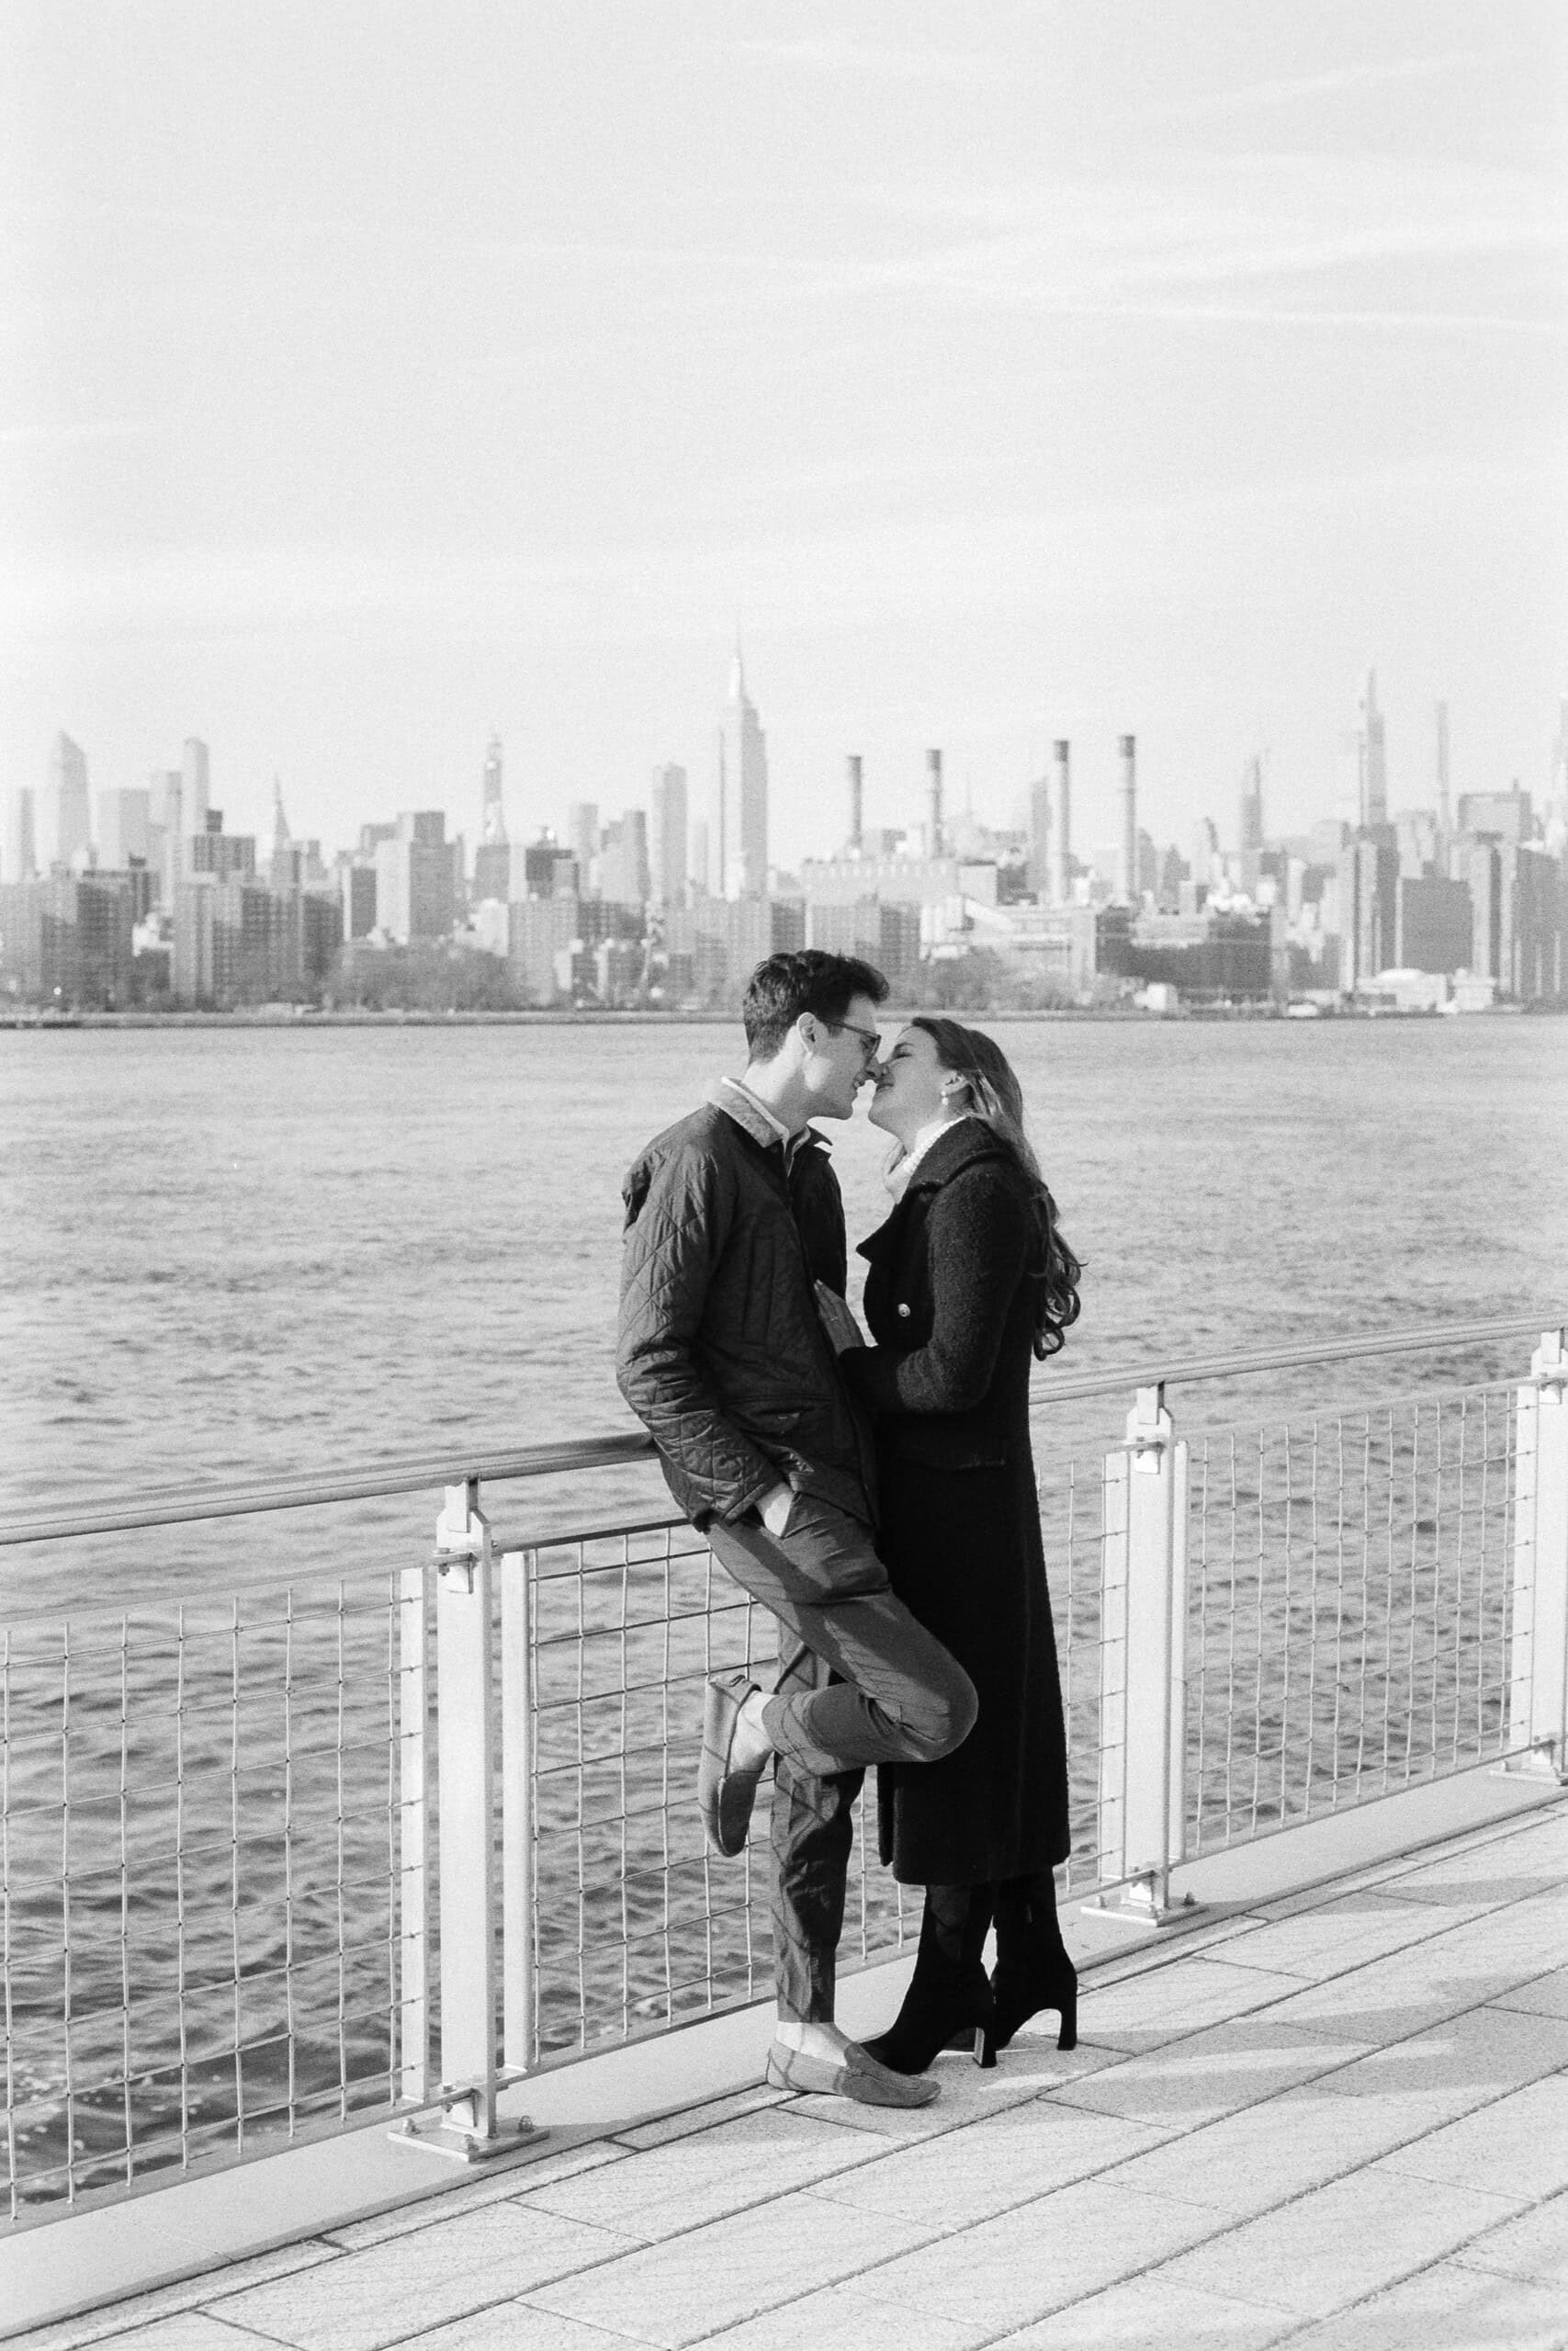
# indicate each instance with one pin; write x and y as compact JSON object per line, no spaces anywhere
{"x":63,"y":828}
{"x":623,"y":875}
{"x":416,"y":886}
{"x":742,"y":792}
{"x":1367,"y":911}
{"x":1435,"y":926}
{"x":667,"y":837}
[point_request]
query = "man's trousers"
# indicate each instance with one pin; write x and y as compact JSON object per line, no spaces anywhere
{"x":866,"y":1683}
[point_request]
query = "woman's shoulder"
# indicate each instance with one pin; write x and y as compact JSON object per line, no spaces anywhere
{"x":991,"y":1189}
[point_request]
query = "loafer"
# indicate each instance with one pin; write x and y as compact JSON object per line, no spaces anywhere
{"x":724,"y":1796}
{"x":858,"y":2075}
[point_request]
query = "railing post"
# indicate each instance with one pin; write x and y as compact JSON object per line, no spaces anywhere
{"x":413,"y":1888}
{"x":471,"y":2128}
{"x":1143,"y":1668}
{"x":516,"y":1817}
{"x":1537,"y":1711}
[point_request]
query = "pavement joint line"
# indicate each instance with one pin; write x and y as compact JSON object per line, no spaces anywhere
{"x":1438,"y":1934}
{"x":1526,"y":1823}
{"x":1419,"y":2270}
{"x":1062,"y":2094}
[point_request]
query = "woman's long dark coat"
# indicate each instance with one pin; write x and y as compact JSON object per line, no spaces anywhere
{"x":950,"y":1304}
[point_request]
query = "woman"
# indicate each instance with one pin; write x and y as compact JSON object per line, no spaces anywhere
{"x":969,"y":1281}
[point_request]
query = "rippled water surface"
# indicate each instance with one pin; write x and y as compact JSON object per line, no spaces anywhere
{"x":231,"y":1251}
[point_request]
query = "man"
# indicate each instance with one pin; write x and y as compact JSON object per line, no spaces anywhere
{"x":733,"y":1216}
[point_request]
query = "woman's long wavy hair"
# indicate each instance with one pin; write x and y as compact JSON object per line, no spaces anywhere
{"x":992,"y":1093}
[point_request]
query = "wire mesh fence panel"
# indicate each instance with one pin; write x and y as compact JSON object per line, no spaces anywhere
{"x":637,"y":1924}
{"x":219,"y":1850}
{"x":199,"y":1838}
{"x":1349,"y":1609}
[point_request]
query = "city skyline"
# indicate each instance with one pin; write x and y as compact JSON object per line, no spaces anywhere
{"x":1362,"y":787}
{"x":1012,"y":374}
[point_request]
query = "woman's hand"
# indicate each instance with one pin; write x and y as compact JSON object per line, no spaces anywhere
{"x":838,"y":1320}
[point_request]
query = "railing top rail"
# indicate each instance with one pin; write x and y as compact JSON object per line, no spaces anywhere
{"x":163,"y":1506}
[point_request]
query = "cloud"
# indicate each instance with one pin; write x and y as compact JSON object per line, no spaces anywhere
{"x":879,"y":61}
{"x":1301,"y":88}
{"x":1313,"y":222}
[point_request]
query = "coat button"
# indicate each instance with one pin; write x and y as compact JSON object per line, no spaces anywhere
{"x":905,"y":1312}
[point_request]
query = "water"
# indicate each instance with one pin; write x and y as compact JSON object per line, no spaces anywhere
{"x":229,"y":1253}
{"x":235,"y":1252}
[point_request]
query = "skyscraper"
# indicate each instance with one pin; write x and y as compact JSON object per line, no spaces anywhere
{"x":195,"y":779}
{"x":1375,"y":758}
{"x":124,"y":818}
{"x":63,"y":828}
{"x":666,"y":836}
{"x":492,"y":857}
{"x":18,"y":858}
{"x":742,"y":792}
{"x":493,"y":830}
{"x":1251,"y":826}
{"x":583,"y":838}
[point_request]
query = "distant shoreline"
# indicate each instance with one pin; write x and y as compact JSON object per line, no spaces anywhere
{"x":288,"y":1019}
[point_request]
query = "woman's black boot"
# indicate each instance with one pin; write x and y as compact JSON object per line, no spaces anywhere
{"x":1032,"y":1970}
{"x":949,"y":1995}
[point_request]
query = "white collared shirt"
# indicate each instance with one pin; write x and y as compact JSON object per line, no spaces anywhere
{"x":898,"y":1177}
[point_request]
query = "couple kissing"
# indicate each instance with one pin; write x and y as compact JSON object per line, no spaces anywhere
{"x":876,"y":1495}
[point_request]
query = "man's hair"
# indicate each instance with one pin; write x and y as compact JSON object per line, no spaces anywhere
{"x":785,"y":986}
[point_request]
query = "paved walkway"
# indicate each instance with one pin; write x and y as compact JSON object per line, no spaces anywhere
{"x":1339,"y":2120}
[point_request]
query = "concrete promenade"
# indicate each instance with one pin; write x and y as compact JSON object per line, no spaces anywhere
{"x":1336,"y":2118}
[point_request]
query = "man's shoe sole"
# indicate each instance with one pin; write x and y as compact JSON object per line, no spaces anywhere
{"x":724,"y":1796}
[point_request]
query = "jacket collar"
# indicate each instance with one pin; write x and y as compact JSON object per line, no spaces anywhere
{"x":958,"y":1146}
{"x":738,"y":1102}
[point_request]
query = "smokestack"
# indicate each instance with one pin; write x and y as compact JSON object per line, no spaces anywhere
{"x":934,"y":804}
{"x":857,"y":804}
{"x":1127,"y":865}
{"x":1445,"y":816}
{"x":1061,"y":883}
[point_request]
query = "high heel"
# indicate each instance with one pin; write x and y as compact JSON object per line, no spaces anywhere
{"x":960,"y":2014}
{"x":1032,"y":1970}
{"x":949,"y":1999}
{"x":1020,"y":1991}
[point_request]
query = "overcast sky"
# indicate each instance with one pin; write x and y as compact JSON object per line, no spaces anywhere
{"x":378,"y":374}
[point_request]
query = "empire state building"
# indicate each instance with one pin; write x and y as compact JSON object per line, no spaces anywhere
{"x":742,"y":792}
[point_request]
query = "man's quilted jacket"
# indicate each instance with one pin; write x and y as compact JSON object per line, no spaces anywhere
{"x":721,"y":1353}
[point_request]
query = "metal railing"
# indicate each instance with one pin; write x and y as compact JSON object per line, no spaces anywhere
{"x":375,"y":1842}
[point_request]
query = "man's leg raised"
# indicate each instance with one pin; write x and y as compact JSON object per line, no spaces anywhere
{"x":901,"y":1697}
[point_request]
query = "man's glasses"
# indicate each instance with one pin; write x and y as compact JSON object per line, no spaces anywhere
{"x":870,"y":1039}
